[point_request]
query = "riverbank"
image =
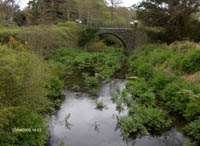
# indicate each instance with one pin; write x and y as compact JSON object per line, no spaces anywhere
{"x":89,"y":126}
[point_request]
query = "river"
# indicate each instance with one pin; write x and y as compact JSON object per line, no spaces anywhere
{"x":88,"y":126}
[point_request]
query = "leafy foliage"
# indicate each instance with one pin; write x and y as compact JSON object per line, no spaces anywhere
{"x":142,"y":119}
{"x":193,"y":129}
{"x":173,"y":16}
{"x":23,"y":96}
{"x":172,"y":71}
{"x":191,"y":61}
{"x":91,"y":67}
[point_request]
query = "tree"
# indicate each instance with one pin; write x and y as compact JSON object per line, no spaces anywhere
{"x":114,"y":4}
{"x":8,"y":9}
{"x":52,"y":11}
{"x":173,"y":16}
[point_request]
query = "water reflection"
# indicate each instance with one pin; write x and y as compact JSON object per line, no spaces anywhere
{"x":87,"y":126}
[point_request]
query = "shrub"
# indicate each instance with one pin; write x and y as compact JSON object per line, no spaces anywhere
{"x":89,"y":67}
{"x":22,"y":117}
{"x":145,"y":70}
{"x":154,"y":119}
{"x":174,"y":98}
{"x":45,"y":39}
{"x":119,"y":105}
{"x":55,"y":87}
{"x":142,"y":119}
{"x":160,"y":80}
{"x":147,"y":49}
{"x":132,"y":125}
{"x":180,"y":97}
{"x":96,"y":46}
{"x":87,"y":36}
{"x":160,"y":55}
{"x":5,"y":34}
{"x":175,"y":62}
{"x":193,"y":129}
{"x":192,"y":110}
{"x":90,"y":81}
{"x":147,"y":98}
{"x":134,"y":62}
{"x":191,"y":61}
{"x":23,"y":97}
{"x":140,"y":92}
{"x":137,"y":88}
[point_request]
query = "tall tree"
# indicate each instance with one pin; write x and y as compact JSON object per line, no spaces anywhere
{"x":52,"y":11}
{"x":114,"y":4}
{"x":8,"y":9}
{"x":172,"y":15}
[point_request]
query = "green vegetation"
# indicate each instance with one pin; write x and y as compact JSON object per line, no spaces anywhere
{"x":167,"y":78}
{"x":172,"y":20}
{"x":99,"y":104}
{"x":193,"y":129}
{"x":89,"y":69}
{"x":144,"y":119}
{"x":23,"y":97}
{"x":43,"y":51}
{"x":28,"y":89}
{"x":143,"y":116}
{"x":45,"y":39}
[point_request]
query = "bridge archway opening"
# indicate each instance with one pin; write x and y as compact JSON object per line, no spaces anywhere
{"x":112,"y":40}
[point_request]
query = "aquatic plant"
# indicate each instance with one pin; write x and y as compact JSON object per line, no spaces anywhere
{"x":99,"y":105}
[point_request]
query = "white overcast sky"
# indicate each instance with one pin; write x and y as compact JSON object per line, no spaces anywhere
{"x":126,"y":3}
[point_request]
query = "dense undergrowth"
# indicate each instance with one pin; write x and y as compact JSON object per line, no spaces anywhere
{"x":29,"y":89}
{"x":35,"y":66}
{"x":87,"y":70}
{"x":26,"y":85}
{"x":37,"y":62}
{"x":167,"y":81}
{"x":44,"y":39}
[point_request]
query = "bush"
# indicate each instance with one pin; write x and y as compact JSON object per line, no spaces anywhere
{"x":175,"y":63}
{"x":96,"y":46}
{"x":137,"y":88}
{"x":91,"y":67}
{"x":45,"y":39}
{"x":142,"y":119}
{"x":192,"y":109}
{"x":87,"y":36}
{"x":147,"y":49}
{"x":134,"y":62}
{"x":160,"y":80}
{"x":132,"y":126}
{"x":55,"y":87}
{"x":154,"y":119}
{"x":147,"y":98}
{"x":22,"y":117}
{"x":146,"y":71}
{"x":140,"y":92}
{"x":182,"y":99}
{"x":191,"y":62}
{"x":175,"y":98}
{"x":160,"y":55}
{"x":193,"y":130}
{"x":23,"y":97}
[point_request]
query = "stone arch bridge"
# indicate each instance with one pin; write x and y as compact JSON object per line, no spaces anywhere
{"x":123,"y":34}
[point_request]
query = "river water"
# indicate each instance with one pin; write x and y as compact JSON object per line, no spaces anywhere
{"x":88,"y":126}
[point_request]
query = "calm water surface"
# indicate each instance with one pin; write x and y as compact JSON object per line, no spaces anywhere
{"x":88,"y":126}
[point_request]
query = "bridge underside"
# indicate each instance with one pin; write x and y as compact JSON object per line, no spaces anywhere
{"x":124,"y":34}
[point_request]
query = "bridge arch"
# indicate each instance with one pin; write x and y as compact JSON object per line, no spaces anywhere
{"x":125,"y":35}
{"x":116,"y":35}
